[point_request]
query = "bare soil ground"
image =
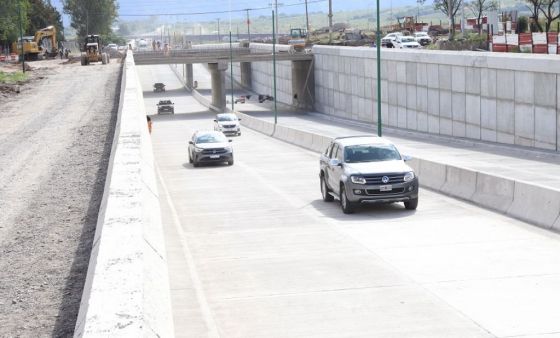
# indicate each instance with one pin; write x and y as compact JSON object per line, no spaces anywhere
{"x":55,"y":142}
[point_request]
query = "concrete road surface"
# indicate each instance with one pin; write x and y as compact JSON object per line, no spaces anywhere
{"x":254,"y":252}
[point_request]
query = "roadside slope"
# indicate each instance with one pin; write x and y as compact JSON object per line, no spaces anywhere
{"x":54,"y":146}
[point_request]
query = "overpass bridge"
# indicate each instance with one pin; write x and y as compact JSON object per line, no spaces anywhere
{"x":218,"y":58}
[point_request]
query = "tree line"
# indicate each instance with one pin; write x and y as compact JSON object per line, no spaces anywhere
{"x":547,"y":9}
{"x":35,"y":14}
{"x":87,"y":16}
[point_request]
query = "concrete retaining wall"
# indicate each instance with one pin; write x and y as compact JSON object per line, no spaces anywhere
{"x":531,"y":203}
{"x":126,"y":293}
{"x":496,"y":97}
{"x":262,"y":79}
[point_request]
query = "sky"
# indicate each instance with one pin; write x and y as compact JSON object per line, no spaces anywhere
{"x":129,"y":8}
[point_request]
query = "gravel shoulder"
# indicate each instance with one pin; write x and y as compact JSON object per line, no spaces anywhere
{"x":55,"y":144}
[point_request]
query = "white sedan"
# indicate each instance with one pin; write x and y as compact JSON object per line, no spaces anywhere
{"x":406,"y":42}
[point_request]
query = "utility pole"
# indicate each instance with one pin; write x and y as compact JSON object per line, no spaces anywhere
{"x":248,"y":25}
{"x":21,"y":36}
{"x":219,"y":37}
{"x":330,"y":21}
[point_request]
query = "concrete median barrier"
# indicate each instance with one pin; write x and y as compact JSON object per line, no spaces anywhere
{"x":433,"y":174}
{"x":459,"y":182}
{"x":535,"y":204}
{"x":126,"y":293}
{"x":494,"y":192}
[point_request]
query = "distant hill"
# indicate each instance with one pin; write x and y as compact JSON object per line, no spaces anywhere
{"x":357,"y":14}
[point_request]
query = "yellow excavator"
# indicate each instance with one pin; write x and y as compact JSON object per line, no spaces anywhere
{"x":43,"y":43}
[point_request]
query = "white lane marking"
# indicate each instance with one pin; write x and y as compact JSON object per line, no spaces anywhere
{"x":207,"y":315}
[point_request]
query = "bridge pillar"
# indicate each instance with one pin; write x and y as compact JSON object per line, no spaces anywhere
{"x":189,"y":75}
{"x":246,"y":77}
{"x":303,"y":84}
{"x":217,"y":72}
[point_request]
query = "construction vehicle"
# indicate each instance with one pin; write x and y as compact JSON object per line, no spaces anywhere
{"x":298,"y":39}
{"x":30,"y":48}
{"x":43,"y":43}
{"x":92,"y":51}
{"x":46,"y":41}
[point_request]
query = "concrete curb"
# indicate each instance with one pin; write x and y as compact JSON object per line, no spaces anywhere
{"x":127,"y":287}
{"x":527,"y":202}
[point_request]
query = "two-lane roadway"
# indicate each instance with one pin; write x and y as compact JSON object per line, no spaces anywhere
{"x":254,"y":252}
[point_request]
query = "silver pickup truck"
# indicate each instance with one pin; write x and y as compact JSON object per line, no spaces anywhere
{"x":366,"y":169}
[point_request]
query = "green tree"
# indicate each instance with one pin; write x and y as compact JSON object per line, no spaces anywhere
{"x":479,"y":7}
{"x":9,"y":19}
{"x":522,"y":24}
{"x":42,"y":14}
{"x":450,"y":9}
{"x":548,"y":9}
{"x":534,"y":7}
{"x":91,"y":17}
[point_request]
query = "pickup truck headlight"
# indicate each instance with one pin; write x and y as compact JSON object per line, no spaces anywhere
{"x":198,"y":150}
{"x":409,"y":176}
{"x":358,"y":179}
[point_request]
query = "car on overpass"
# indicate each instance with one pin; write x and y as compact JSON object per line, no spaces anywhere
{"x":210,"y":147}
{"x":389,"y":39}
{"x":406,"y":42}
{"x":227,"y":123}
{"x":366,"y":169}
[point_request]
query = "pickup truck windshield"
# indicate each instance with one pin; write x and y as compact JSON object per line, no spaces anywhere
{"x":370,"y":153}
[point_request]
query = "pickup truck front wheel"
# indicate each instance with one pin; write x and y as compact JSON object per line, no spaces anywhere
{"x":347,"y":206}
{"x":411,"y":205}
{"x":325,"y":190}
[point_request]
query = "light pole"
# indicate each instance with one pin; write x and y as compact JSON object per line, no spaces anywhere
{"x":219,"y":37}
{"x":231,"y":71}
{"x":274,"y":68}
{"x":276,"y":22}
{"x":378,"y":47}
{"x":330,"y":21}
{"x":306,"y":20}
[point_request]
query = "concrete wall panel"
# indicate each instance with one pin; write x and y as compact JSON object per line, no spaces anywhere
{"x":493,"y":97}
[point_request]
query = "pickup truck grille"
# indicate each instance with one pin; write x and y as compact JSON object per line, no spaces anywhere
{"x":228,"y":125}
{"x":375,"y":192}
{"x":214,"y":151}
{"x":377,"y":179}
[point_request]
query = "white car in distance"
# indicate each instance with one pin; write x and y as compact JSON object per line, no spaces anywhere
{"x":406,"y":42}
{"x":389,"y":39}
{"x":422,"y":38}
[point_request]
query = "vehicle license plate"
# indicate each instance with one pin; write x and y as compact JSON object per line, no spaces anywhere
{"x":386,"y":188}
{"x":214,"y":156}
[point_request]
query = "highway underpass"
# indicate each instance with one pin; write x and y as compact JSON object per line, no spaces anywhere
{"x":253,"y":251}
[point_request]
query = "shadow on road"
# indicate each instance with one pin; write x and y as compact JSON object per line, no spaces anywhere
{"x":364,"y":212}
{"x":200,"y":115}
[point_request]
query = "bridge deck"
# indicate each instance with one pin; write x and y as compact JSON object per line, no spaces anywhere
{"x":215,"y":55}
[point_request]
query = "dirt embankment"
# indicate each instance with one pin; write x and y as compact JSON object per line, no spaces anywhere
{"x":55,"y":143}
